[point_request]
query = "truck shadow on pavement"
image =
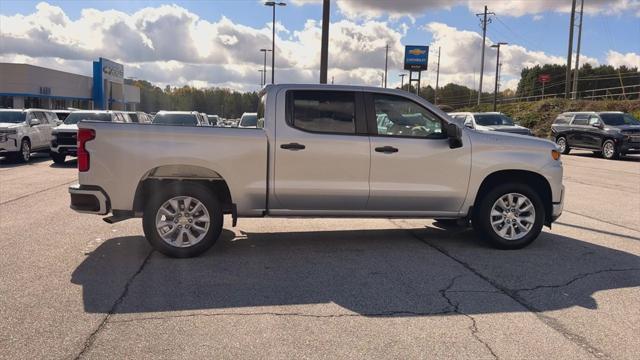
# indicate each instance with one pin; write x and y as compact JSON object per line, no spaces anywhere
{"x":386,"y":272}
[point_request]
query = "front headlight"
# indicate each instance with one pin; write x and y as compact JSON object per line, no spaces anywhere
{"x":555,"y":154}
{"x":9,"y":131}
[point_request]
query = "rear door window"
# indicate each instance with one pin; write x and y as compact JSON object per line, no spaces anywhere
{"x":580,"y":120}
{"x":332,"y":112}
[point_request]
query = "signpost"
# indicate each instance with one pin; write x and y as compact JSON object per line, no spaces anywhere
{"x":544,"y":78}
{"x":416,"y":59}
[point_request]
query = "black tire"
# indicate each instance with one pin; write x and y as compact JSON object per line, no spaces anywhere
{"x":482,"y":219}
{"x":563,"y":149}
{"x":57,"y":157}
{"x":606,"y":153}
{"x":199,"y":192}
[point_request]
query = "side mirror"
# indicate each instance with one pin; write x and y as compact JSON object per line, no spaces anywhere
{"x":469,"y":125}
{"x":454,"y":133}
{"x":33,"y":122}
{"x":598,"y":125}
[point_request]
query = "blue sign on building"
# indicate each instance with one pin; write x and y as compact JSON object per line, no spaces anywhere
{"x":106,"y":73}
{"x":416,"y":57}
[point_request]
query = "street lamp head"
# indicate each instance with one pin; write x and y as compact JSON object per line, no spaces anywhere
{"x":273,"y":3}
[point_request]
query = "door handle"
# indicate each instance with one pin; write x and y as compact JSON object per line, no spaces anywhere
{"x":292,"y":146}
{"x":387,"y":149}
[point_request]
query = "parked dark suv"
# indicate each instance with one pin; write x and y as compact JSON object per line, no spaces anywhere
{"x":610,"y":134}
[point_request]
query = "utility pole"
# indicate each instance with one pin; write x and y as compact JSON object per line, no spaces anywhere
{"x":386,"y":58}
{"x":273,"y":4}
{"x":484,"y":36}
{"x":331,"y":79}
{"x":264,"y":66}
{"x":574,"y":92}
{"x":324,"y":48}
{"x":402,"y":81}
{"x":567,"y":85}
{"x":381,"y":80}
{"x":495,"y":89}
{"x":435,"y":94}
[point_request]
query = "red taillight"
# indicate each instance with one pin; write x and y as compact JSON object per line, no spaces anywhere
{"x":84,"y":135}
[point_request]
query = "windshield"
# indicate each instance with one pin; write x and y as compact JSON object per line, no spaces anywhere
{"x":175,"y":119}
{"x":249,"y":120}
{"x":493,"y":120}
{"x":619,"y":119}
{"x":76,"y":117}
{"x":12,"y":117}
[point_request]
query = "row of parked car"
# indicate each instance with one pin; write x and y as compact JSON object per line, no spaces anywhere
{"x":610,"y":134}
{"x":25,"y":131}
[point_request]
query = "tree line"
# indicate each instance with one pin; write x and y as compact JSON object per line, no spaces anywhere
{"x":223,"y":102}
{"x":231,"y":104}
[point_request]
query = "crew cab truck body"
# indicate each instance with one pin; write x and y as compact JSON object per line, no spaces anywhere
{"x":319,"y":154}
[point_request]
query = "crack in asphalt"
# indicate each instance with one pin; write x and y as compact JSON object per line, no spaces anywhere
{"x":576,"y":278}
{"x":317,"y":316}
{"x":553,"y":323}
{"x":92,"y":337}
{"x":456,"y":309}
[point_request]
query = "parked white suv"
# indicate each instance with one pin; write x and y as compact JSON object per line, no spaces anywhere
{"x":490,"y":121}
{"x":23,"y":131}
{"x":64,"y":137}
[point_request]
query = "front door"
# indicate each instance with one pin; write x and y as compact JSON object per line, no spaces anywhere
{"x":577,"y":134}
{"x":321,"y":152}
{"x":412,"y":166}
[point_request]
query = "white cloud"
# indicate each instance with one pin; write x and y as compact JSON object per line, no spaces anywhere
{"x":170,"y":44}
{"x":460,"y":58}
{"x":617,"y":59}
{"x":411,"y":8}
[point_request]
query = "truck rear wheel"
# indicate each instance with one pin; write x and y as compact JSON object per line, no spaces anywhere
{"x":510,"y":216}
{"x":183,"y":221}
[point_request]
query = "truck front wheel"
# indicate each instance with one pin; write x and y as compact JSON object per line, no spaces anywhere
{"x":183,"y":221}
{"x":510,"y":216}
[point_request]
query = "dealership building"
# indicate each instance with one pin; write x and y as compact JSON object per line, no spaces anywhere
{"x":29,"y":86}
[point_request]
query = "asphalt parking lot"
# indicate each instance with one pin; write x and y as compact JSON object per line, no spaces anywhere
{"x":72,"y":286}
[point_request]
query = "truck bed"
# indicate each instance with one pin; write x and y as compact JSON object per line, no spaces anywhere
{"x":124,"y":154}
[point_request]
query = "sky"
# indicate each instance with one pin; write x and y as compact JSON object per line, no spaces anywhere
{"x":206,"y":43}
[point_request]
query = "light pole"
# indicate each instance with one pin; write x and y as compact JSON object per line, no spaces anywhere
{"x":324,"y":47}
{"x":273,"y":4}
{"x":402,"y":81}
{"x":261,"y":77}
{"x":264,"y":67}
{"x":495,"y":89}
{"x":386,"y":60}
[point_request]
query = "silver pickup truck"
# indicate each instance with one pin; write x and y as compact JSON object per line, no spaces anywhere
{"x":318,"y":151}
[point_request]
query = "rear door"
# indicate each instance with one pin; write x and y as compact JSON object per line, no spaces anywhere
{"x":594,"y":135}
{"x":577,"y":133}
{"x":412,"y":166}
{"x":321,"y":152}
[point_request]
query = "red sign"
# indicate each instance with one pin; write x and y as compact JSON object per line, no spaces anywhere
{"x":543,"y":78}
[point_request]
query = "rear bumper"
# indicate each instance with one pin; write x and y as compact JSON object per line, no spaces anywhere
{"x":89,"y":199}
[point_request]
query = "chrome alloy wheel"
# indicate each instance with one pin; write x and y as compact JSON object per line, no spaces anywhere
{"x":609,"y":149}
{"x":512,"y":216}
{"x":26,"y":151}
{"x":182,"y":221}
{"x":562,"y":144}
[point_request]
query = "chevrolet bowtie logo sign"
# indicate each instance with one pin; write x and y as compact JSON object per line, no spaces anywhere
{"x":415,"y":57}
